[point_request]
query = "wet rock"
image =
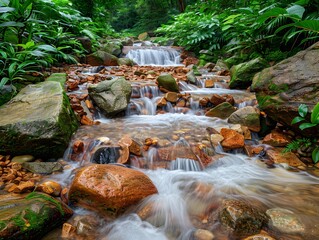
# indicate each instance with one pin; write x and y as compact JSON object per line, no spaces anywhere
{"x":241,"y":218}
{"x":125,"y":61}
{"x":202,"y":234}
{"x":278,"y":156}
{"x":232,"y":139}
{"x":246,"y":116}
{"x":106,"y":155}
{"x":23,"y":158}
{"x":191,"y":77}
{"x":285,"y":221}
{"x":209,"y":83}
{"x":172,"y":97}
{"x":218,"y":99}
{"x":43,"y":167}
{"x":111,"y":96}
{"x":133,"y":146}
{"x":38,"y":121}
{"x":99,"y":58}
{"x":50,"y":187}
{"x":261,"y":236}
{"x":167,"y":82}
{"x":30,"y":217}
{"x":143,"y":36}
{"x":68,"y":230}
{"x":242,"y":74}
{"x":113,"y":47}
{"x":109,"y":189}
{"x":253,"y":150}
{"x":215,"y":139}
{"x":277,"y":139}
{"x":282,"y":88}
{"x":223,"y":111}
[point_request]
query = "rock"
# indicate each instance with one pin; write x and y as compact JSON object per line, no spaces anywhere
{"x":242,"y":74}
{"x":143,"y":36}
{"x":50,"y":187}
{"x":215,"y":139}
{"x":23,"y":158}
{"x":218,"y":99}
{"x":223,"y":111}
{"x":167,"y":82}
{"x":242,"y":218}
{"x":253,"y":150}
{"x":43,"y":167}
{"x":67,"y":230}
{"x":220,"y":66}
{"x":106,"y":155}
{"x":111,"y":96}
{"x":285,"y":221}
{"x":277,"y":139}
{"x":108,"y":189}
{"x":277,"y":156}
{"x":99,"y":58}
{"x":113,"y":47}
{"x":261,"y":236}
{"x":86,"y":43}
{"x":134,"y":147}
{"x":191,"y":77}
{"x":202,"y":234}
{"x":246,"y":116}
{"x":125,"y":61}
{"x":232,"y":139}
{"x":209,"y":65}
{"x":38,"y":121}
{"x":30,"y":217}
{"x":280,"y":89}
{"x":171,"y":97}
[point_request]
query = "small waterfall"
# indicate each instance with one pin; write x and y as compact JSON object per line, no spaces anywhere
{"x":161,"y":56}
{"x":185,"y":164}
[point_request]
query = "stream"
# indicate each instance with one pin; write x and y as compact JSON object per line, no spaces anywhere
{"x":190,"y":191}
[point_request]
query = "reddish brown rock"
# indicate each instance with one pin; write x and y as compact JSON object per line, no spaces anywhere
{"x":209,"y":83}
{"x":277,"y":139}
{"x":172,"y":97}
{"x":278,"y":156}
{"x":253,"y":150}
{"x":232,"y":139}
{"x":218,"y":99}
{"x":109,"y":189}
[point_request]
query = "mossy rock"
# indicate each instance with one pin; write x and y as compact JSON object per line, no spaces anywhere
{"x":58,"y":77}
{"x":223,"y":111}
{"x":30,"y":217}
{"x":168,"y":82}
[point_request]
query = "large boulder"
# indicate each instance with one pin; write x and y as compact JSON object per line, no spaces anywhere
{"x":30,"y":217}
{"x":246,"y":116}
{"x":99,"y":58}
{"x":282,"y":88}
{"x":242,"y":74}
{"x":111,"y":96}
{"x":113,"y":47}
{"x":109,"y":189}
{"x":38,"y":121}
{"x":168,"y":82}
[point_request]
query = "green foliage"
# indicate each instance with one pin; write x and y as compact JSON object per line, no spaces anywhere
{"x":296,"y":144}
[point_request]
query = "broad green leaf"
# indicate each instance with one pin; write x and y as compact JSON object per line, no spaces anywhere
{"x":309,"y":25}
{"x":297,"y":120}
{"x":315,"y":114}
{"x":6,"y":9}
{"x":47,"y":48}
{"x":315,"y":155}
{"x":307,"y":125}
{"x":274,"y":12}
{"x":3,"y":82}
{"x":302,"y":2}
{"x":12,"y":24}
{"x":296,"y":10}
{"x":303,"y":110}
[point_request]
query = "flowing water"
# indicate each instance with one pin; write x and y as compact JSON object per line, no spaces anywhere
{"x":190,"y":190}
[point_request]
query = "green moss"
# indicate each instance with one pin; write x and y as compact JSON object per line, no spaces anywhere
{"x":278,"y":88}
{"x":58,"y":77}
{"x":35,"y":195}
{"x":2,"y":225}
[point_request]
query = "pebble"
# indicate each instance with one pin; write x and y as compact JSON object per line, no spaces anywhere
{"x":202,"y":234}
{"x":23,"y":158}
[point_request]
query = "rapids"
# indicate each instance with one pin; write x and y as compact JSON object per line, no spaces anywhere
{"x":189,"y":192}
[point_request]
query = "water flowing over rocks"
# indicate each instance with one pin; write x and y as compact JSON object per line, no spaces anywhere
{"x":38,"y":121}
{"x":111,"y":96}
{"x":246,"y":116}
{"x":282,"y":88}
{"x":30,"y":217}
{"x":109,"y":189}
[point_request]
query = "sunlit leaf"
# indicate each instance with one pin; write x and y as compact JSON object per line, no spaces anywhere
{"x":303,"y":110}
{"x":315,"y":114}
{"x":297,"y":120}
{"x":296,"y":10}
{"x":307,"y":125}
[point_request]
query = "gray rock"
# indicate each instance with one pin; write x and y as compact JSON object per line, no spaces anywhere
{"x":125,"y":61}
{"x":285,"y":221}
{"x":111,"y":96}
{"x":43,"y":167}
{"x":223,"y":111}
{"x":38,"y":121}
{"x":282,"y":88}
{"x":168,"y":82}
{"x":191,"y":77}
{"x":113,"y":47}
{"x":246,"y":116}
{"x":99,"y":58}
{"x":242,"y":74}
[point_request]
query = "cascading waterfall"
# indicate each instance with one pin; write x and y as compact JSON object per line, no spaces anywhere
{"x":162,"y":56}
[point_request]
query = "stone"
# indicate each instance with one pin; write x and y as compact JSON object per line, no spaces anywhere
{"x":99,"y":58}
{"x":38,"y":121}
{"x":202,"y":234}
{"x":246,"y":116}
{"x":242,"y":74}
{"x":43,"y":167}
{"x":281,"y":88}
{"x":133,"y":146}
{"x":191,"y":77}
{"x":113,"y":47}
{"x":67,"y":230}
{"x":277,"y":139}
{"x":260,"y":236}
{"x":32,"y":216}
{"x":253,"y":150}
{"x":50,"y":187}
{"x":111,"y":96}
{"x":215,"y":139}
{"x":223,"y":111}
{"x":106,"y":155}
{"x":108,"y":189}
{"x":22,"y":158}
{"x":209,"y":83}
{"x":171,"y":97}
{"x":143,"y":36}
{"x":218,"y":99}
{"x":241,"y":218}
{"x":285,"y":221}
{"x":125,"y":61}
{"x":167,"y":82}
{"x":278,"y":156}
{"x":232,"y":139}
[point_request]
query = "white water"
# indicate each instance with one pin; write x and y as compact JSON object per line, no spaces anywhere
{"x":163,"y":56}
